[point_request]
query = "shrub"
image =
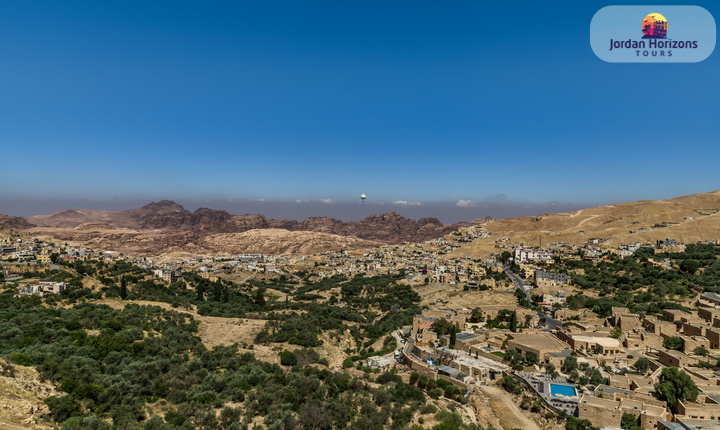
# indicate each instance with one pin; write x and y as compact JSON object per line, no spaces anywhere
{"x":288,"y":358}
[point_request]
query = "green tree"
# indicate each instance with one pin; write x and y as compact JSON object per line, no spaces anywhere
{"x":510,"y":385}
{"x":513,"y":322}
{"x":701,"y":351}
{"x":288,"y":358}
{"x":505,"y":256}
{"x":577,"y":424}
{"x":616,"y":332}
{"x":442,"y":326}
{"x":260,"y":297}
{"x":676,"y":385}
{"x":674,"y":342}
{"x":549,"y":368}
{"x":574,"y":376}
{"x":629,"y":421}
{"x":596,"y":377}
{"x":569,"y":364}
{"x":453,"y":337}
{"x":642,"y":365}
{"x":477,"y":315}
{"x":531,"y":358}
{"x":690,"y":266}
{"x":123,"y":287}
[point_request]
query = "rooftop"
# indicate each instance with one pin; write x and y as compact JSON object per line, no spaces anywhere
{"x":694,"y":424}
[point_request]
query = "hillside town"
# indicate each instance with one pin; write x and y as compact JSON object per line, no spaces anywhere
{"x":573,"y":361}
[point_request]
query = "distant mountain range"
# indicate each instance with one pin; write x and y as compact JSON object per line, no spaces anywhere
{"x":166,"y":227}
{"x":167,"y":215}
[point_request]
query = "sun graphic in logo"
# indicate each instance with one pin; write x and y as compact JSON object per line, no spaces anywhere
{"x":655,"y":26}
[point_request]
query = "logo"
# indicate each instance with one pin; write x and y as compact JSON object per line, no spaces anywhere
{"x":654,"y":26}
{"x":614,"y":35}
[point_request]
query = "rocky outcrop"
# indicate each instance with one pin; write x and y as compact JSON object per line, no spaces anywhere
{"x":169,"y":216}
{"x":165,"y":214}
{"x":9,"y":222}
{"x":22,"y":401}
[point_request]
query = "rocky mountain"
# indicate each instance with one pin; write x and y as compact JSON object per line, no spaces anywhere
{"x":8,"y":222}
{"x":168,"y":216}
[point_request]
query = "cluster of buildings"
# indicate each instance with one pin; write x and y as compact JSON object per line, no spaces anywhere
{"x":611,"y":345}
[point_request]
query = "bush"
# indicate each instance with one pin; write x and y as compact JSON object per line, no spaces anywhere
{"x":428,"y":409}
{"x":20,"y":358}
{"x":347,"y":363}
{"x":288,"y":358}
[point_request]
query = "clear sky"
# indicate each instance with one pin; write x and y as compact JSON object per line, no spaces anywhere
{"x":435,"y":104}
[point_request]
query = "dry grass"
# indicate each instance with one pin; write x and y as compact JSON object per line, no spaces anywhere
{"x":613,"y":222}
{"x":456,"y":297}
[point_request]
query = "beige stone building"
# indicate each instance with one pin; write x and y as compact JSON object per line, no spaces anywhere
{"x":601,"y":342}
{"x":672,"y":358}
{"x":705,"y":408}
{"x":540,"y":343}
{"x":602,"y":412}
{"x":663,"y":328}
{"x":692,"y":342}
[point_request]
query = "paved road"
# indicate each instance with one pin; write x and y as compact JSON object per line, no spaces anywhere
{"x":550,"y":323}
{"x":518,"y":282}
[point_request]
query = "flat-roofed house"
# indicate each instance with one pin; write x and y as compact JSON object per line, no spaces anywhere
{"x":673,"y":358}
{"x":539,"y":343}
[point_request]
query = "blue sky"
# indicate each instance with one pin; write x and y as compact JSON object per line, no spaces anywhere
{"x":429,"y":102}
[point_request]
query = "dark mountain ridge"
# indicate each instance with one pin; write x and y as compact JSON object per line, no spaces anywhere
{"x":390,"y":227}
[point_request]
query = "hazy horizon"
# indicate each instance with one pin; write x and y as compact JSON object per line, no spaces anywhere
{"x":446,"y":212}
{"x":435,"y":103}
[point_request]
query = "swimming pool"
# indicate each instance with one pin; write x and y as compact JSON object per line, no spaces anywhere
{"x":565,"y":390}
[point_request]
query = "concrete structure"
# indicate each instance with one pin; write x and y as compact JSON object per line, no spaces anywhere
{"x":663,"y":328}
{"x":523,"y":255}
{"x":672,"y":358}
{"x":550,"y":279}
{"x":599,"y":342}
{"x":608,"y":413}
{"x":710,"y":299}
{"x":539,"y":343}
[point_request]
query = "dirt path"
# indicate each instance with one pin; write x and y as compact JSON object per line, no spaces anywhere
{"x":504,"y":409}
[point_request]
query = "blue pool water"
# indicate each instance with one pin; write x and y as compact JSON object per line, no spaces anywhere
{"x":487,"y":348}
{"x":565,"y":390}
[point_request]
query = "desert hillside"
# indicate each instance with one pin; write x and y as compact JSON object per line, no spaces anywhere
{"x":688,"y":219}
{"x":279,"y":241}
{"x":168,"y":216}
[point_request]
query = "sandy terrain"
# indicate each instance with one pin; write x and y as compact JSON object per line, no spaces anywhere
{"x":279,"y":241}
{"x":495,"y":407}
{"x":456,"y":297}
{"x":613,"y":222}
{"x":21,"y":398}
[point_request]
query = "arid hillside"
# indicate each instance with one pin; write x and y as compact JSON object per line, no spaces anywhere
{"x":8,"y":222}
{"x":688,"y":219}
{"x":168,"y":216}
{"x":279,"y":241}
{"x":21,"y":398}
